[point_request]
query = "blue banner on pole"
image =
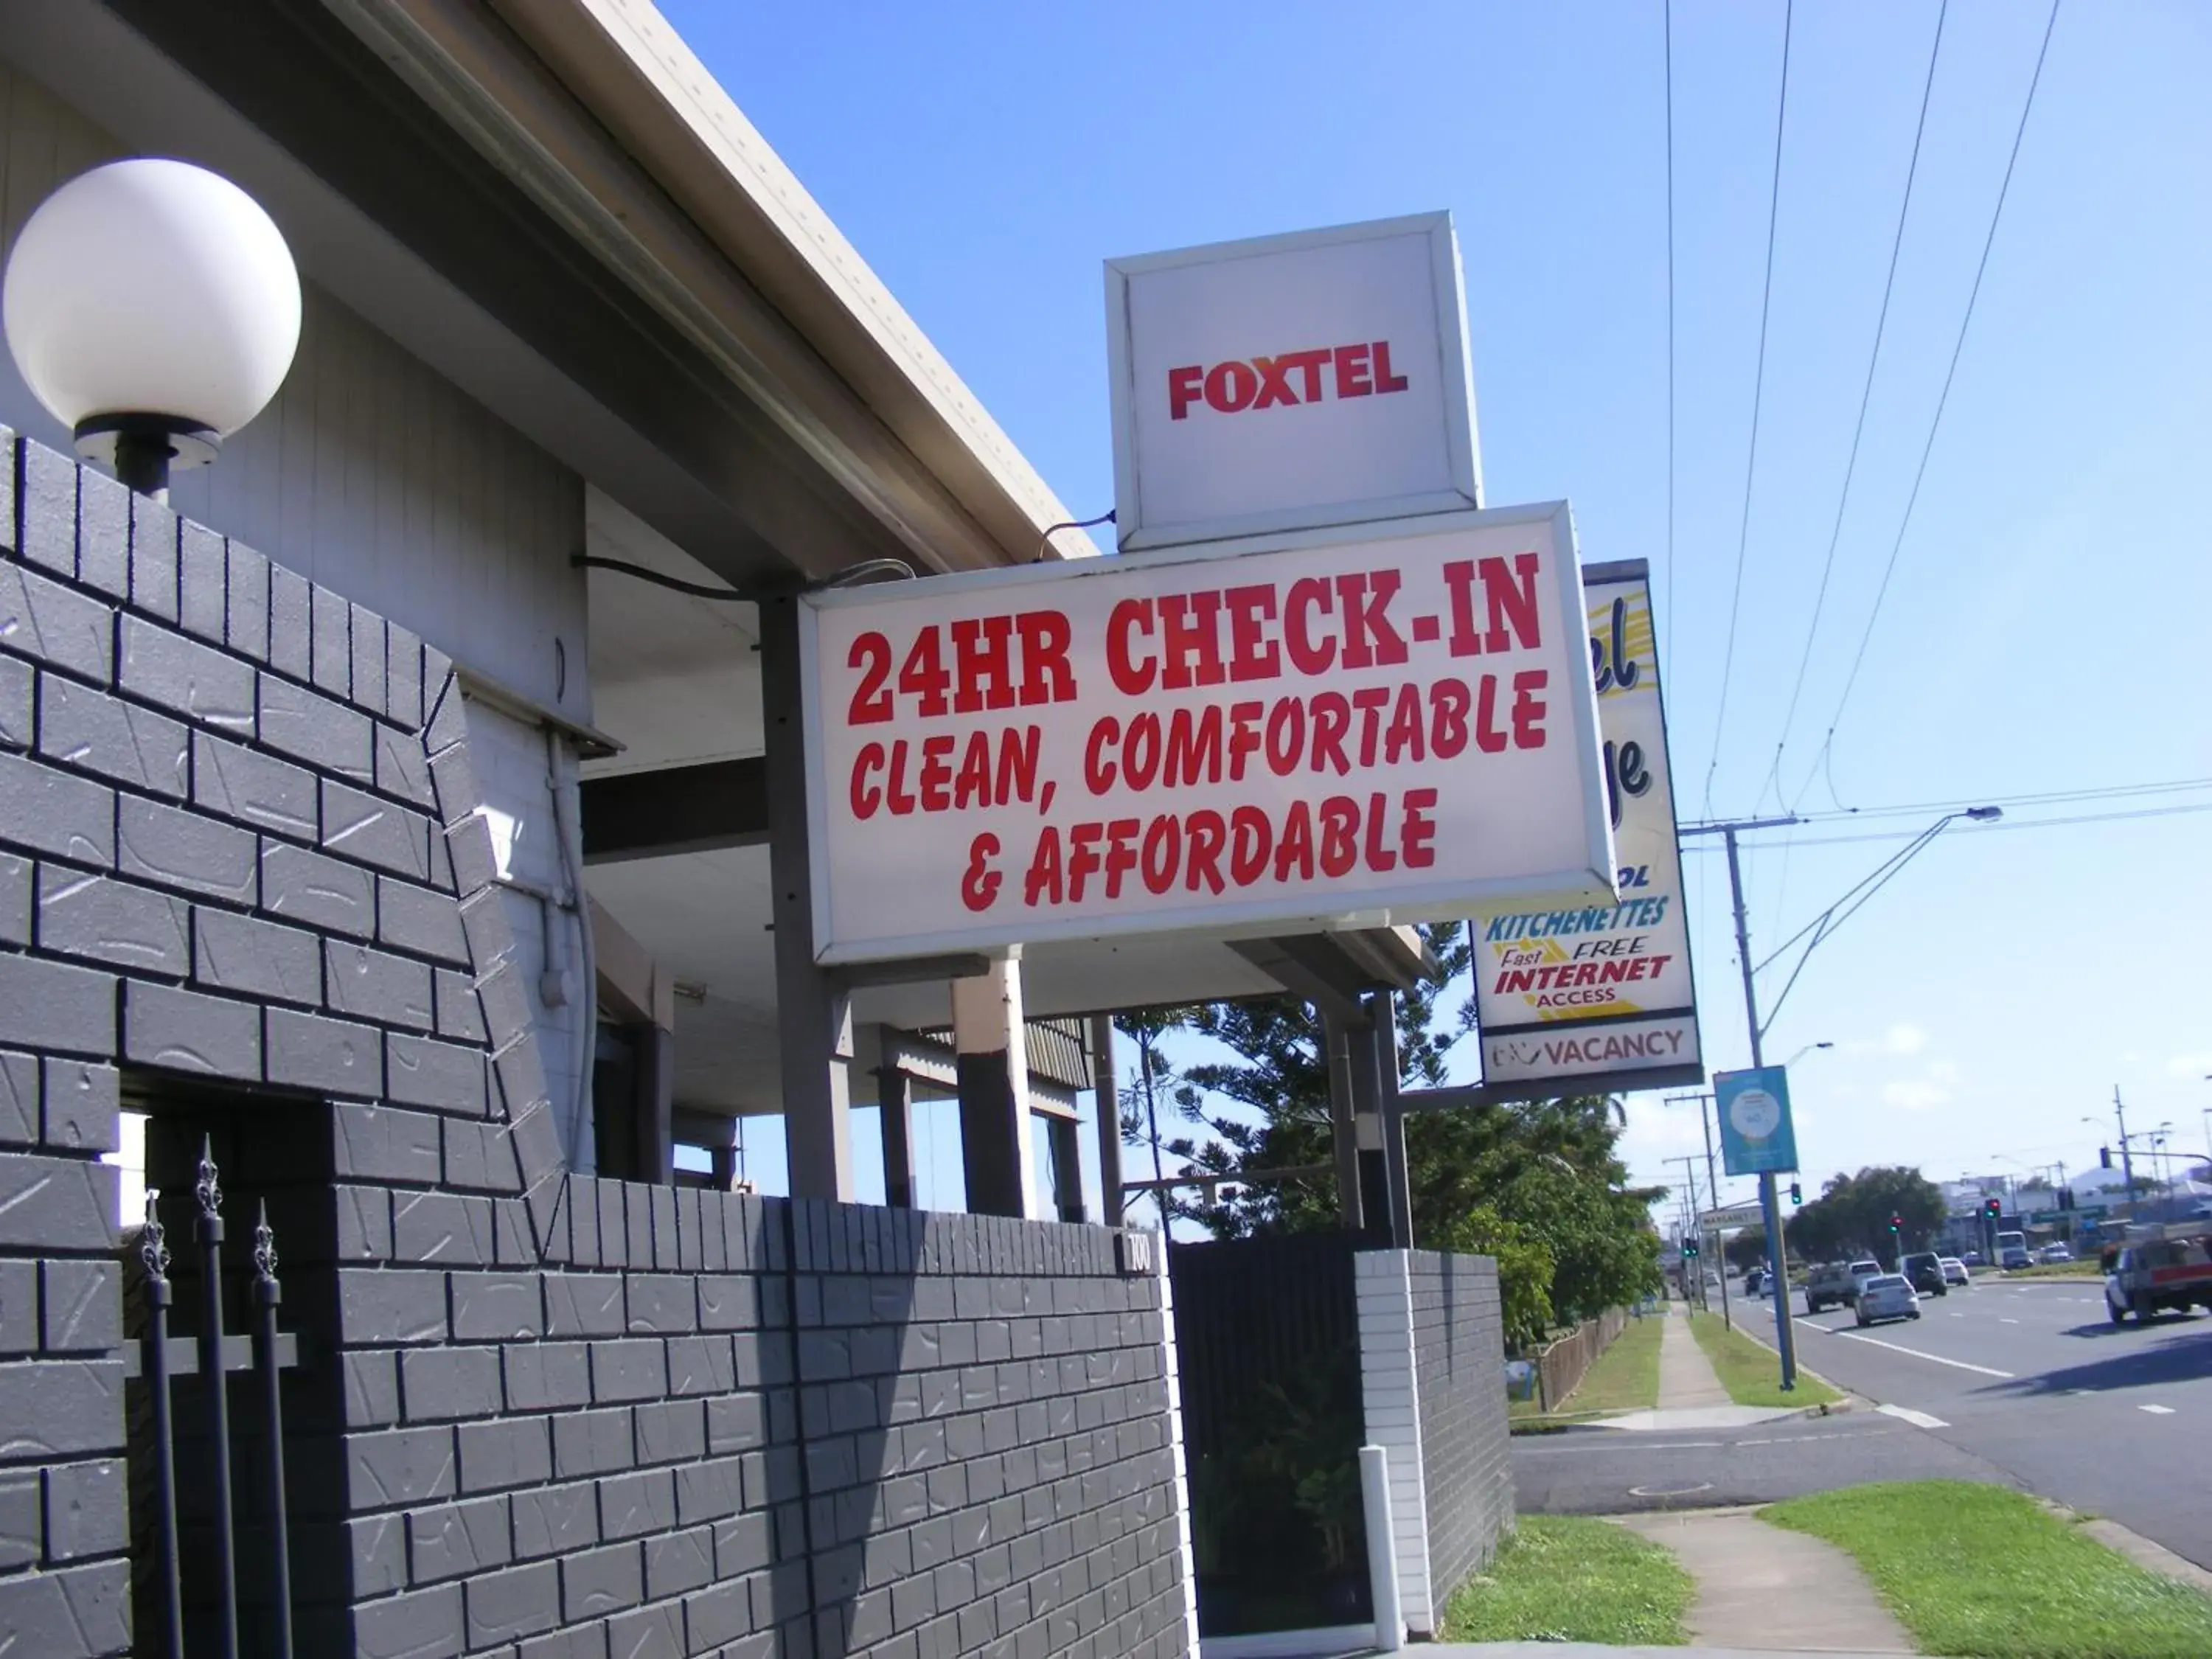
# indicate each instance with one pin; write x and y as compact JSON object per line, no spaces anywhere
{"x":1757,"y":1135}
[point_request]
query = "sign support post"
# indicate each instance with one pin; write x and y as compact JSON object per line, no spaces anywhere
{"x":1344,"y":1129}
{"x":814,"y":1015}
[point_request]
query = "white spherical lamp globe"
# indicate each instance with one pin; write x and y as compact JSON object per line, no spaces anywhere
{"x":152,"y":302}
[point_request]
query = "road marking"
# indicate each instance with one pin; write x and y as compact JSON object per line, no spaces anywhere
{"x":2002,"y":1320}
{"x":2157,"y":1411}
{"x":1918,"y":1419}
{"x":1855,"y":1336}
{"x":1670,"y":1492}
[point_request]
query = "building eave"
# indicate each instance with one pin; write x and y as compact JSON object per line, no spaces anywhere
{"x":601,"y":113}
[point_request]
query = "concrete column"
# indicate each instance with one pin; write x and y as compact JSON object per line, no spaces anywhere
{"x":1336,"y":1038}
{"x":1106,"y":1080}
{"x":895,"y":1097}
{"x":652,"y":1106}
{"x":813,"y":1016}
{"x":994,"y":1092}
{"x":1064,"y":1138}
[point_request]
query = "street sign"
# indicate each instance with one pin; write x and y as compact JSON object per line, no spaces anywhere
{"x":1602,"y":998}
{"x":1757,"y":1134}
{"x":1286,"y":382}
{"x":1325,"y":729}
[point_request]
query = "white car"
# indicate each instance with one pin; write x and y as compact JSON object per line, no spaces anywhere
{"x":1955,"y":1271}
{"x":2054,"y":1253}
{"x":1887,"y":1296}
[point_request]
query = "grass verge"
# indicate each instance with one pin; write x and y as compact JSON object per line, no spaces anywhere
{"x":1985,"y":1571}
{"x":2056,"y":1270}
{"x":1566,"y":1578}
{"x":1625,"y":1378}
{"x":1749,"y":1370}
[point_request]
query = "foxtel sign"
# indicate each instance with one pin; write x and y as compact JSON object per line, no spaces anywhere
{"x":1290,"y":382}
{"x":1322,"y":729}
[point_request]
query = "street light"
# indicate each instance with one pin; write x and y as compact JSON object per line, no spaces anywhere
{"x":1819,"y":928}
{"x":1804,"y":1051}
{"x":154,"y":308}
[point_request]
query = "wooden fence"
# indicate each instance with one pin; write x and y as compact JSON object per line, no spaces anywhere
{"x":1561,"y":1365}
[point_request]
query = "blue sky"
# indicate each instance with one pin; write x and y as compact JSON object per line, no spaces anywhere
{"x":2046,"y":628}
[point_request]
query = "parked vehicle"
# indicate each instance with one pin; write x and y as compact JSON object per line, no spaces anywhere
{"x":2012,"y":1250}
{"x":2054,"y":1253}
{"x":1973,"y":1259}
{"x":1955,"y":1271}
{"x":1754,"y":1282}
{"x":1923,"y":1271}
{"x":1827,"y":1286}
{"x":2161,"y":1267}
{"x":1864,"y":1268}
{"x":1887,"y":1296}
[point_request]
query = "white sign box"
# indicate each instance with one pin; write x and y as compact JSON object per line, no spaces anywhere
{"x":1290,"y":382}
{"x":1324,"y":729}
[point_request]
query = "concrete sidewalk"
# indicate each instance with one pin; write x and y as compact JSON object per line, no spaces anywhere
{"x":1691,"y":1396}
{"x":1686,"y":1379}
{"x":1762,"y":1587}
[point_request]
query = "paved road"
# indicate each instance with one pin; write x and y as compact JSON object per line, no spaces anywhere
{"x":2026,"y":1384}
{"x":1607,"y":1471}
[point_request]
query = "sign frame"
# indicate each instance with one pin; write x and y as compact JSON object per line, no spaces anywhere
{"x":1620,"y":1079}
{"x":1222,"y":918}
{"x":1134,"y":534}
{"x":1741,"y":1153}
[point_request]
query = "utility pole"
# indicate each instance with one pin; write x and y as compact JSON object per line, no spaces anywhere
{"x":1712,"y":1189}
{"x":1770,"y":1199}
{"x":1693,"y":1231}
{"x":2127,"y":1158}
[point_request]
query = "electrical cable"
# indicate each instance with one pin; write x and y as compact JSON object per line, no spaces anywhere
{"x":2185,"y":810}
{"x":1045,"y":540}
{"x":1758,"y":395}
{"x":1942,"y":401}
{"x":854,"y":575}
{"x":2043,"y":798}
{"x":1866,"y":399}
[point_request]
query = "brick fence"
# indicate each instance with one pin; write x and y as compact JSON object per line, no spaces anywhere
{"x":1431,"y":1348}
{"x":244,"y":885}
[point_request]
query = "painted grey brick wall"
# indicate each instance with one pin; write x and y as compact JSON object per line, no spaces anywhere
{"x":562,"y":1417}
{"x":704,"y":1423}
{"x":1459,"y":1347}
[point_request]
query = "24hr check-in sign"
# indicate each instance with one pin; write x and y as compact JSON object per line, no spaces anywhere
{"x":1328,"y":728}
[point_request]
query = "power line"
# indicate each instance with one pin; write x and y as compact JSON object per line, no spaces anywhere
{"x":2041,"y":797}
{"x":1997,"y":215}
{"x":1866,"y":398}
{"x":1757,"y":394}
{"x":2185,"y":810}
{"x":1668,"y":582}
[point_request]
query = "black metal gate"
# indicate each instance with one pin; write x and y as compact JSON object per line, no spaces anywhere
{"x":1268,"y":1357}
{"x":181,"y":1389}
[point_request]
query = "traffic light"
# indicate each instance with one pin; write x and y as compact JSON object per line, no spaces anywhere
{"x":2105,"y":1158}
{"x":1690,"y":1248}
{"x":1895,"y":1222}
{"x":1992,"y":1207}
{"x":1797,"y":1193}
